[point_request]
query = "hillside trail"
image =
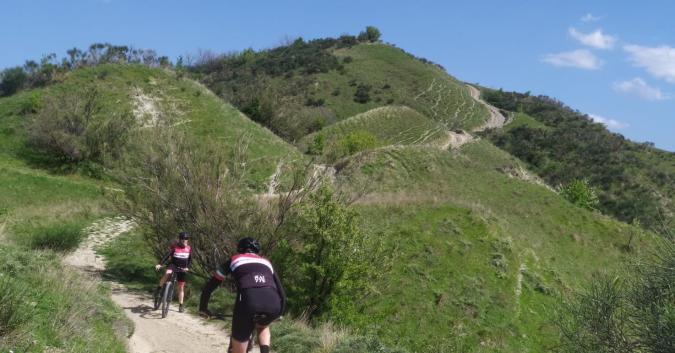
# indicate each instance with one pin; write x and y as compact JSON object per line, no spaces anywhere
{"x":178,"y":332}
{"x":496,"y":120}
{"x":455,"y":139}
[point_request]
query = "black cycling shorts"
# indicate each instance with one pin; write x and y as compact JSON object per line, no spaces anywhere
{"x":251,"y":304}
{"x":180,"y":275}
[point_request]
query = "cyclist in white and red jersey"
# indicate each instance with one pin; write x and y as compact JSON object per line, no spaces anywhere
{"x":260,"y":295}
{"x":180,"y":256}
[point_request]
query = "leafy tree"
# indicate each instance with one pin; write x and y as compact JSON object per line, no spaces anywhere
{"x":371,"y":34}
{"x":326,"y":260}
{"x":12,"y":80}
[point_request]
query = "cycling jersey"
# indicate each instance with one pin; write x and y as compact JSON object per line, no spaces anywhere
{"x":259,"y":291}
{"x":180,"y":256}
{"x":249,"y":271}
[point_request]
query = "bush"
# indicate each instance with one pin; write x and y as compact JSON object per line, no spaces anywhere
{"x":580,"y":193}
{"x":362,"y":94}
{"x":325,"y":258}
{"x":73,"y":127}
{"x":14,"y":310}
{"x":174,"y":184}
{"x":358,"y":141}
{"x":631,"y":315}
{"x":371,"y":34}
{"x":62,"y":236}
{"x":12,"y":80}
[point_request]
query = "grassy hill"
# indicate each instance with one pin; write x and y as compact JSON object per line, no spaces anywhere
{"x":635,"y":182}
{"x":483,"y":250}
{"x":299,"y":88}
{"x":383,"y":126}
{"x":481,"y":257}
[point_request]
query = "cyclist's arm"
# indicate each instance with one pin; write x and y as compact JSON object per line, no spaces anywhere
{"x":212,"y":284}
{"x":282,"y":293}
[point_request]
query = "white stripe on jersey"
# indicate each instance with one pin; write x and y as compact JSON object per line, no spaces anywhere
{"x":250,"y":260}
{"x":181,"y":255}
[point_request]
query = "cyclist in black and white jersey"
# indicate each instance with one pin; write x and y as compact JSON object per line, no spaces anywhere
{"x":260,"y":295}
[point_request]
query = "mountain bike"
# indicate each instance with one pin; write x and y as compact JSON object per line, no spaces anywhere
{"x":165,"y":295}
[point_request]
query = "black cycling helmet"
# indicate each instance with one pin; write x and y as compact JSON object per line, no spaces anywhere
{"x":248,"y":244}
{"x":183,"y":235}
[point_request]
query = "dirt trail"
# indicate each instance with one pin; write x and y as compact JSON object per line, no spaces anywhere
{"x":497,"y":119}
{"x":178,"y":332}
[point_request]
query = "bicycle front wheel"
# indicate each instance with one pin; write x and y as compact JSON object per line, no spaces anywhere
{"x":167,"y":295}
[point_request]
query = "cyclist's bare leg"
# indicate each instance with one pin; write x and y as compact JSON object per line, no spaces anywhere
{"x":164,"y":279}
{"x":181,"y":292}
{"x":264,"y":335}
{"x":238,"y":347}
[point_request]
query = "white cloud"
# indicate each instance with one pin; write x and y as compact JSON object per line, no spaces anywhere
{"x":658,"y":61}
{"x":640,"y":88}
{"x":595,"y":39}
{"x":580,"y":58}
{"x":590,"y":18}
{"x":610,"y":123}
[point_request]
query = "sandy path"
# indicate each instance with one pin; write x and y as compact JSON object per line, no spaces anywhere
{"x":178,"y":332}
{"x":497,"y":120}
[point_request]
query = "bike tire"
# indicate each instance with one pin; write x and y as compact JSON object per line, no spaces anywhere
{"x":166,"y":298}
{"x":158,"y":299}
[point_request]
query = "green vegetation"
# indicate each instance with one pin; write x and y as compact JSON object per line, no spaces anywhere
{"x":580,"y":193}
{"x":630,"y":312}
{"x":50,"y":70}
{"x":325,"y":258}
{"x":390,"y":125}
{"x":298,"y":88}
{"x":634,"y":181}
{"x":473,"y":262}
{"x":46,"y":306}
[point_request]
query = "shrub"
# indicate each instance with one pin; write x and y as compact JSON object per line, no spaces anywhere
{"x":325,"y":258}
{"x":14,"y":310}
{"x":12,"y":80}
{"x":633,"y":314}
{"x":580,"y":193}
{"x":173,"y":184}
{"x":358,"y":141}
{"x":61,"y":236}
{"x":362,"y":94}
{"x":72,"y":127}
{"x":317,"y":145}
{"x":371,"y":34}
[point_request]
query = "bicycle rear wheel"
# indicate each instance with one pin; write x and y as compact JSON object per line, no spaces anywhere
{"x":167,"y":295}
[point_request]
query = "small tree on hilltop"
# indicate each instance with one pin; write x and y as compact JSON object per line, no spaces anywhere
{"x":371,"y":34}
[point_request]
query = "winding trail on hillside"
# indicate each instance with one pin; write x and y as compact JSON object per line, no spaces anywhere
{"x":496,"y":120}
{"x":178,"y":332}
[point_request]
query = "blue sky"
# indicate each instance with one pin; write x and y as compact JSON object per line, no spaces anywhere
{"x":612,"y":59}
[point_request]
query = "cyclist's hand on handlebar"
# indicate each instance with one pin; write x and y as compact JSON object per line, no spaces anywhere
{"x":157,"y":267}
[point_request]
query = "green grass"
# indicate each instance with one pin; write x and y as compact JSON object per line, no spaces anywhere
{"x":48,"y":305}
{"x":464,"y":233}
{"x":181,"y":103}
{"x":522,"y":119}
{"x":397,"y":78}
{"x":391,"y":125}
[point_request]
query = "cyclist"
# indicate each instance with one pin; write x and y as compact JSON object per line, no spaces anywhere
{"x":180,"y":255}
{"x":260,"y":295}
